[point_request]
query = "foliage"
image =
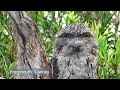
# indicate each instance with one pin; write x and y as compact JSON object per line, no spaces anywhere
{"x":7,"y":46}
{"x":108,"y":49}
{"x":105,"y":26}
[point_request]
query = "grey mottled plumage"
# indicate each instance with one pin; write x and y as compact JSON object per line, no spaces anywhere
{"x":75,"y":51}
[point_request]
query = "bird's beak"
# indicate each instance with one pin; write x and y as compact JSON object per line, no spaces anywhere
{"x":75,"y":42}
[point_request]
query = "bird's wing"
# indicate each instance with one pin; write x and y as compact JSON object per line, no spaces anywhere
{"x":54,"y":67}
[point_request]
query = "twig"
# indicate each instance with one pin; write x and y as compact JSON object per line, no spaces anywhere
{"x":106,"y":70}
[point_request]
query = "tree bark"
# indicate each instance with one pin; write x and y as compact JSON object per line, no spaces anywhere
{"x":31,"y":55}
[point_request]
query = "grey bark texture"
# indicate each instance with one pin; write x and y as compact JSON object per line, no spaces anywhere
{"x":31,"y":54}
{"x":75,"y":53}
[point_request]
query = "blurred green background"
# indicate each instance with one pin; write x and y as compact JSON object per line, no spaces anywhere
{"x":104,"y":24}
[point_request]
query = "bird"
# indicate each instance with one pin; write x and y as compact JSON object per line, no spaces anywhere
{"x":75,"y":53}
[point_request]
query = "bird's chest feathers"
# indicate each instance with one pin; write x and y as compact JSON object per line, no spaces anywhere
{"x":76,"y":66}
{"x":76,"y":61}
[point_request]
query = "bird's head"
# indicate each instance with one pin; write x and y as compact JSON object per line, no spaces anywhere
{"x":75,"y":39}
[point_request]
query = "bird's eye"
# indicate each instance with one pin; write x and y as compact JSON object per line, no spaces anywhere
{"x":65,"y":36}
{"x":86,"y":35}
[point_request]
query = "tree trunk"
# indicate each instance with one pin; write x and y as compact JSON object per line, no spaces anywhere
{"x":32,"y":60}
